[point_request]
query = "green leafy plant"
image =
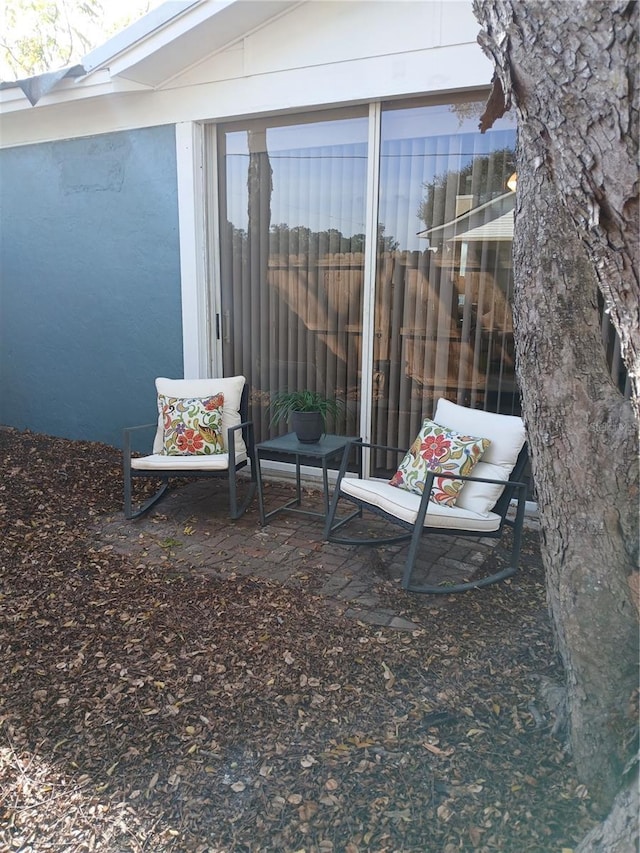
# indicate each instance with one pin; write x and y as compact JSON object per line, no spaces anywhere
{"x":284,"y":403}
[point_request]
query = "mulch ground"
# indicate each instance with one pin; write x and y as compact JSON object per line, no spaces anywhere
{"x":149,"y":710}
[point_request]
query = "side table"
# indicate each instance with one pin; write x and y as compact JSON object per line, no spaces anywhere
{"x":329,"y":447}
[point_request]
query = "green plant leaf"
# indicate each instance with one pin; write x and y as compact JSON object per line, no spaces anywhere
{"x":284,"y":403}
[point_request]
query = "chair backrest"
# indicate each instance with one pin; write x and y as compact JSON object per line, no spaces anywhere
{"x":507,"y":436}
{"x":231,"y":387}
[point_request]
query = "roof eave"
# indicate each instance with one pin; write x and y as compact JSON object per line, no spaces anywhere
{"x":149,"y":51}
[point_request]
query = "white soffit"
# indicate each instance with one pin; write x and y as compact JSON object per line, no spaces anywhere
{"x":136,"y":32}
{"x":502,"y":204}
{"x":497,"y":231}
{"x":151,"y":51}
{"x":203,"y":28}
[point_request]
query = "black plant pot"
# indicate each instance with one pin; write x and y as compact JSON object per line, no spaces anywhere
{"x":308,"y":426}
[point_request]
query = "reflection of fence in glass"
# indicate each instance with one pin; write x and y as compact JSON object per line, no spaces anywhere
{"x":321,"y":309}
{"x":436,"y":333}
{"x":302,"y":327}
{"x":441,"y":334}
{"x":432,"y":337}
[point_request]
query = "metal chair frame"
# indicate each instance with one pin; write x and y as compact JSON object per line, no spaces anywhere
{"x":236,"y":508}
{"x":415,"y":531}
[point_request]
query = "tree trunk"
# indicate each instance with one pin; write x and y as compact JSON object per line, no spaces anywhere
{"x":619,"y":832}
{"x":259,"y":191}
{"x":570,"y":70}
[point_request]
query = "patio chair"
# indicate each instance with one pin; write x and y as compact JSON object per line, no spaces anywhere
{"x":202,"y":430}
{"x":452,"y":501}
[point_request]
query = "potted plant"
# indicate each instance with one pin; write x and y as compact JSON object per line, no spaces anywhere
{"x":306,"y":411}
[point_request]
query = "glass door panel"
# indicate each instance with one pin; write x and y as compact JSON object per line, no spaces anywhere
{"x":292,"y":203}
{"x":443,"y":325}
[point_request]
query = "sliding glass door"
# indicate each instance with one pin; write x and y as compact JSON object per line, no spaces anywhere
{"x":443,"y":281}
{"x":292,"y":204}
{"x":388,"y":311}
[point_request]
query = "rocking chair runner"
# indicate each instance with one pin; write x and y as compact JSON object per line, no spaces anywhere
{"x":236,"y":433}
{"x":481,"y":507}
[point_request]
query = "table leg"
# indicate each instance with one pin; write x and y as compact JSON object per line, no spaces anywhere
{"x":260,"y":492}
{"x":325,"y":482}
{"x":298,"y":487}
{"x":295,"y":503}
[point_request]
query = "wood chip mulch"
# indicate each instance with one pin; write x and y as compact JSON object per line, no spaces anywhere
{"x":148,"y":711}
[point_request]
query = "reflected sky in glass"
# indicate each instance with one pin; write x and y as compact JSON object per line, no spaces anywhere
{"x":319,"y":168}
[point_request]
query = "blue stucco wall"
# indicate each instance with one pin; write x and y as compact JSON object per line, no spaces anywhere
{"x":90,"y":308}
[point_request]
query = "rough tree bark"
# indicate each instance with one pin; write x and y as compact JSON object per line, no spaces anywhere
{"x":570,"y":70}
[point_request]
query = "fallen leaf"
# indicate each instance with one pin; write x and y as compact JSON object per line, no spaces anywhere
{"x":444,"y":813}
{"x":389,"y":677}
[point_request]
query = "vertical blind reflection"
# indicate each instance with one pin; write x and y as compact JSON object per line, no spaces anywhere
{"x":292,"y":260}
{"x":444,"y":276}
{"x":292,"y":202}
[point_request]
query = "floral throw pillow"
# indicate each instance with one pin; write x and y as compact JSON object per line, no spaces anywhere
{"x":439,"y":449}
{"x":192,"y":427}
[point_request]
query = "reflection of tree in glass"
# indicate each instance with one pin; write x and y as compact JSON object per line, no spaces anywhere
{"x":467,"y":110}
{"x":484,"y":178}
{"x":239,"y":237}
{"x":302,"y":240}
{"x":386,"y":244}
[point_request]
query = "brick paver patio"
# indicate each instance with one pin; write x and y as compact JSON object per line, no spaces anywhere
{"x":190,"y":530}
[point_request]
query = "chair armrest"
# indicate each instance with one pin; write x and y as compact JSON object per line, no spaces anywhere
{"x":231,"y":444}
{"x":360,"y":444}
{"x":513,"y":485}
{"x":372,"y":446}
{"x":451,"y":475}
{"x":446,"y":475}
{"x":142,"y":426}
{"x":127,"y":434}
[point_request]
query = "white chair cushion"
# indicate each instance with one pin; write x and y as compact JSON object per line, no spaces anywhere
{"x":230,"y":387}
{"x":160,"y":461}
{"x":405,"y":505}
{"x":507,"y":436}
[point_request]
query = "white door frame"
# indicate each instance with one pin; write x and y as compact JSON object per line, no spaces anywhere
{"x":197,"y":337}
